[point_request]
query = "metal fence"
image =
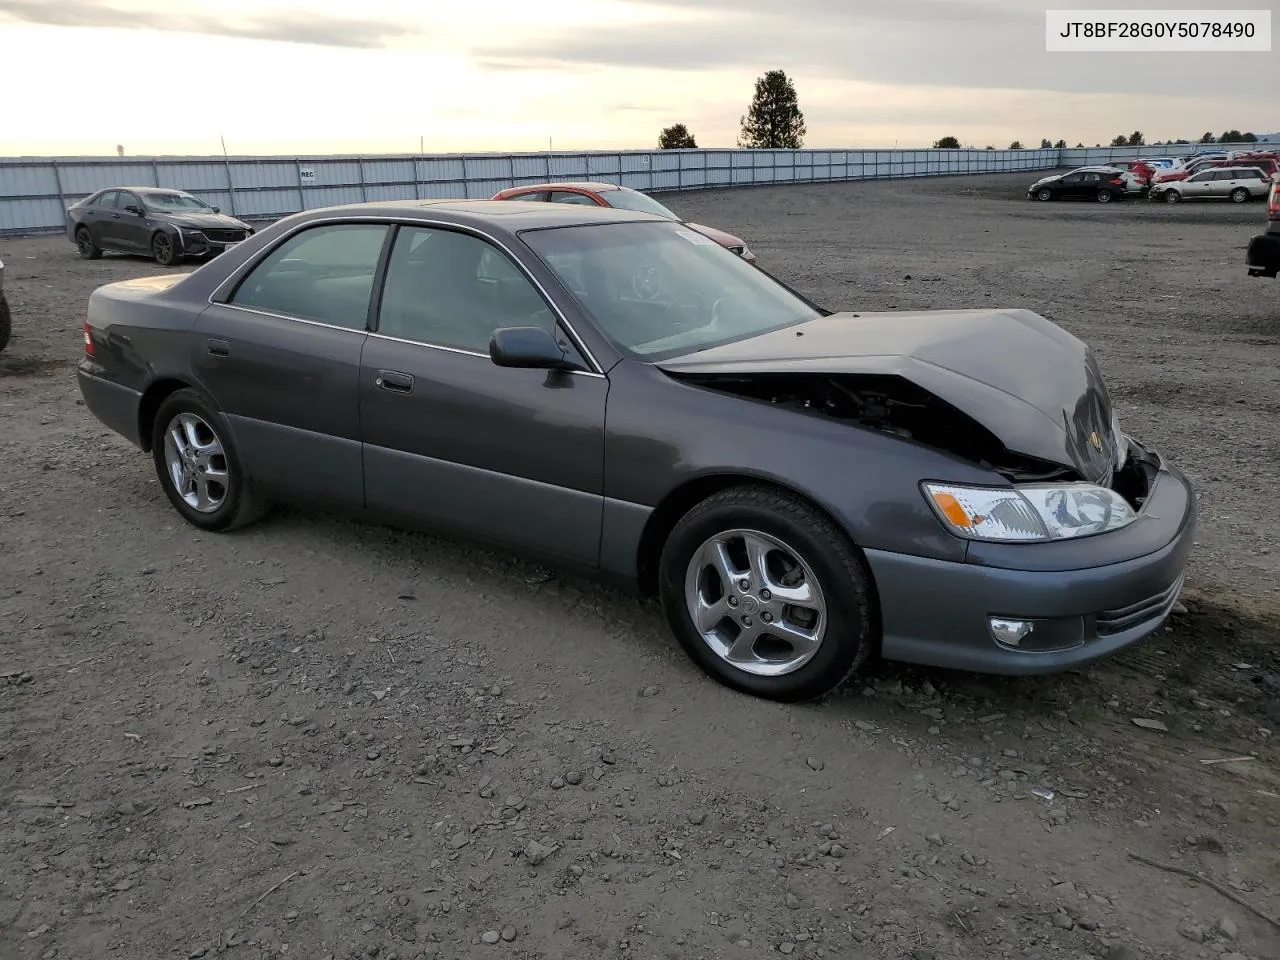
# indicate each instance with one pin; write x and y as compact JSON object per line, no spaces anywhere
{"x":35,"y":191}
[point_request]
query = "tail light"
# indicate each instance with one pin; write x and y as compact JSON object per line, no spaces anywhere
{"x":1273,"y":205}
{"x":1118,"y":181}
{"x":88,"y":340}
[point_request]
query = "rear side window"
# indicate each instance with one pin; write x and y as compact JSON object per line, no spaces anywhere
{"x":567,"y":196}
{"x":106,"y":200}
{"x":323,"y":274}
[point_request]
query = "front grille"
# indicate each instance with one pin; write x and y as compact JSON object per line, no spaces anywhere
{"x":224,"y":236}
{"x":1110,"y":622}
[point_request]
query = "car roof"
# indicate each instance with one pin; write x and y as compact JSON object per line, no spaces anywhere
{"x":509,"y":215}
{"x":597,"y":187}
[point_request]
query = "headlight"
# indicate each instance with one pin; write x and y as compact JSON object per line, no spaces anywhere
{"x":1029,"y":512}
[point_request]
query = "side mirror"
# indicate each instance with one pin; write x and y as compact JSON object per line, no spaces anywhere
{"x":526,"y":347}
{"x":217,"y":209}
{"x":135,"y":210}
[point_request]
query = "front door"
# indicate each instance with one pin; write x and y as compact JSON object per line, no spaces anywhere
{"x":131,"y":230}
{"x":281,"y":356}
{"x":450,"y":439}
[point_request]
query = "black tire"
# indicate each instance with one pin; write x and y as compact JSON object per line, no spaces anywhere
{"x":165,"y":249}
{"x":6,"y":322}
{"x":839,"y":569}
{"x":1044,"y":195}
{"x":1239,"y":195}
{"x":86,"y":246}
{"x":1172,"y":196}
{"x":240,"y":505}
{"x":1106,"y":196}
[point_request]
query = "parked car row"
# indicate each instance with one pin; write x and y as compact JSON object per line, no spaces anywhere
{"x":1263,"y":257}
{"x":1245,"y":177}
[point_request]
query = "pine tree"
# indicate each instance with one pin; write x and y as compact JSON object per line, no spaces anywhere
{"x":774,"y":120}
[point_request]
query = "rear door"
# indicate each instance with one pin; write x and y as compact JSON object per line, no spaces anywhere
{"x":452,"y":440}
{"x":101,"y":219}
{"x":280,"y":353}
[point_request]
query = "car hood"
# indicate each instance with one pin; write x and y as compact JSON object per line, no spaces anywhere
{"x":1036,"y":387}
{"x":1043,"y":180}
{"x":201,"y":221}
{"x":719,"y":236}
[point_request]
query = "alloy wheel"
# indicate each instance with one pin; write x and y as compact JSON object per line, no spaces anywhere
{"x":196,"y":462}
{"x":755,"y":602}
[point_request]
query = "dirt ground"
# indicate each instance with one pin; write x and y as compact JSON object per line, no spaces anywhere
{"x":318,"y":738}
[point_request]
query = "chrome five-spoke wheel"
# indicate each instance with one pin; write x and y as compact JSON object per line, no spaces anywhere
{"x":196,"y":462}
{"x":756,"y":603}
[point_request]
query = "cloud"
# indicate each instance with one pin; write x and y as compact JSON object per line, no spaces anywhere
{"x":984,"y":44}
{"x":289,"y":27}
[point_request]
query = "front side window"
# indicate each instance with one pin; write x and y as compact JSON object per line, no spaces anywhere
{"x":658,"y":290}
{"x":322,"y":273}
{"x":453,"y":290}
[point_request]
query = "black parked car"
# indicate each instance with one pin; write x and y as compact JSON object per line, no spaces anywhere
{"x":1103,"y":184}
{"x":6,"y":322}
{"x":166,"y":224}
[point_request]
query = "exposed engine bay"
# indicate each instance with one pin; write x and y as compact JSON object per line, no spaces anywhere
{"x":897,"y":406}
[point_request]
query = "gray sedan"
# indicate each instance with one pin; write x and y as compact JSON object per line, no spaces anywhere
{"x":620,"y":395}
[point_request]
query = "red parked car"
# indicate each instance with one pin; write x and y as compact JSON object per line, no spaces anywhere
{"x":622,"y":198}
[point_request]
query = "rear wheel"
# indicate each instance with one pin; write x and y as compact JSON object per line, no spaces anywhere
{"x":1106,"y":196}
{"x":6,"y":322}
{"x":766,"y":594}
{"x":86,"y":246}
{"x":1172,"y":196}
{"x":164,"y":249}
{"x":1239,"y":195}
{"x":198,"y":465}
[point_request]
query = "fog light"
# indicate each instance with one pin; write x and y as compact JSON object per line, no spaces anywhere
{"x":1011,"y":633}
{"x":1038,"y":635}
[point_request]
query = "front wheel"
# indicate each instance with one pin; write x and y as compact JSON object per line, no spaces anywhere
{"x":164,"y":250}
{"x":198,"y":466}
{"x":1172,"y":196}
{"x":1239,"y":195}
{"x":767,"y":595}
{"x":1044,"y":195}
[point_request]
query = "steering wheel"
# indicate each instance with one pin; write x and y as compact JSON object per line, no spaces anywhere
{"x":646,"y":282}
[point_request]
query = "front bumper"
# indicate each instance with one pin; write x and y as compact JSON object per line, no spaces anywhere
{"x":938,"y":612}
{"x":196,"y":243}
{"x":116,"y":406}
{"x":1263,"y":258}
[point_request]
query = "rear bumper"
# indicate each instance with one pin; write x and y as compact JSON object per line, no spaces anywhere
{"x":938,"y":613}
{"x":116,"y":406}
{"x":1263,"y":258}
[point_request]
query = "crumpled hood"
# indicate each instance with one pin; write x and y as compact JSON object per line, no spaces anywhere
{"x":201,"y":221}
{"x":1036,"y":387}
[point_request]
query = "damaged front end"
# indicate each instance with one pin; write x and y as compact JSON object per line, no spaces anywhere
{"x":893,"y":405}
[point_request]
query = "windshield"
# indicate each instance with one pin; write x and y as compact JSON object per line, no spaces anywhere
{"x":625,"y":199}
{"x":173,"y":201}
{"x":658,"y":290}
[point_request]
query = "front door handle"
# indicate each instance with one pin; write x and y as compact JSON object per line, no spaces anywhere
{"x":217,"y":348}
{"x":395,"y":381}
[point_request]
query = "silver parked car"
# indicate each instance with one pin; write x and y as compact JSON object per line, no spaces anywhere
{"x":1237,"y":184}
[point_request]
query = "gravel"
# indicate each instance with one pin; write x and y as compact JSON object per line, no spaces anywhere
{"x":420,"y":755}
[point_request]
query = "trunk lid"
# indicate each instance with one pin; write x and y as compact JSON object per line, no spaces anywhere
{"x":1037,"y":388}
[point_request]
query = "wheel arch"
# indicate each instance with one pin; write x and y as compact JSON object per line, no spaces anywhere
{"x":155,"y":394}
{"x":683,"y":498}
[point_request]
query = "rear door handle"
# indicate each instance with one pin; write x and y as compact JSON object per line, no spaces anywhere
{"x":217,"y":348}
{"x":395,"y":381}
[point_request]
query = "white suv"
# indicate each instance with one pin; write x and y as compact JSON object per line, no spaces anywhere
{"x":1236,"y":184}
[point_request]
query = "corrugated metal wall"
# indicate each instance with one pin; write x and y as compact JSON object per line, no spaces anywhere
{"x":34,"y":192}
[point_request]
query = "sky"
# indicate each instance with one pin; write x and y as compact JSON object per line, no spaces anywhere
{"x":393,"y":76}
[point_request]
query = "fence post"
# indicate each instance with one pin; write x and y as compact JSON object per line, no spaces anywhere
{"x":155,"y":171}
{"x":62,"y":197}
{"x":364,"y":191}
{"x":511,"y":168}
{"x":297,"y":169}
{"x":231,"y":187}
{"x":466,"y":181}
